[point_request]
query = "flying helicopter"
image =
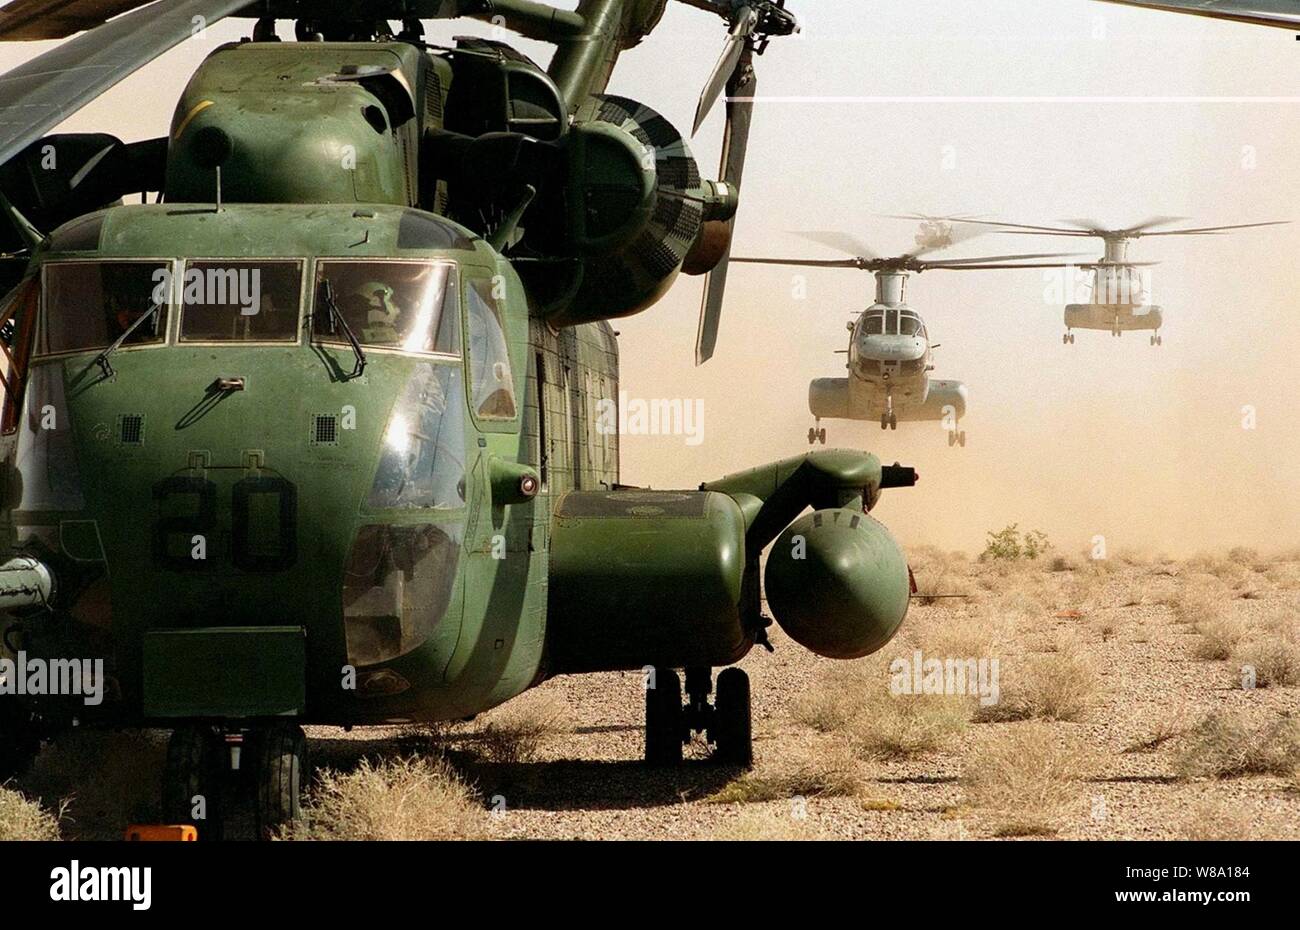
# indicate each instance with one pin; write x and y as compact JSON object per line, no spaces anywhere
{"x":1120,"y":299}
{"x":890,"y":354}
{"x":934,"y":232}
{"x":311,"y":437}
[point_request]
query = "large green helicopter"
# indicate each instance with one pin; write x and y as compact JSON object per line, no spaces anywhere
{"x":319,"y":434}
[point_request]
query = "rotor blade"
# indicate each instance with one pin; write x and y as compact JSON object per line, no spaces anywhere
{"x":741,"y":88}
{"x":1047,"y":230}
{"x":839,"y":241}
{"x":1155,"y":221}
{"x":742,"y":27}
{"x":1280,"y":13}
{"x":38,"y":95}
{"x":1213,"y":229}
{"x":953,"y":262}
{"x":940,"y":266}
{"x":27,"y":20}
{"x":807,"y":262}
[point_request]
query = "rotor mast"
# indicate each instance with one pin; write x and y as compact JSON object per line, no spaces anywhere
{"x":891,"y":287}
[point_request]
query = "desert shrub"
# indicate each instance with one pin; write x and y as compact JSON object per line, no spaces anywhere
{"x":1024,"y":779}
{"x":1226,"y":744}
{"x":824,"y":770}
{"x":21,"y":818}
{"x":1010,"y":545}
{"x":403,"y":798}
{"x":518,"y":731}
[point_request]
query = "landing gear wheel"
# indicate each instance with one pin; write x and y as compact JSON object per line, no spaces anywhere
{"x":1065,"y":339}
{"x":884,"y":421}
{"x":952,"y":438}
{"x":961,"y":439}
{"x":1160,"y":340}
{"x":20,"y":740}
{"x":193,"y":780}
{"x":731,"y":730}
{"x":893,"y":421}
{"x":663,"y":719}
{"x":812,"y":435}
{"x":821,"y":436}
{"x":281,"y":766}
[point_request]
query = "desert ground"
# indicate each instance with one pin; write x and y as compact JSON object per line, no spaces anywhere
{"x":1139,"y":697}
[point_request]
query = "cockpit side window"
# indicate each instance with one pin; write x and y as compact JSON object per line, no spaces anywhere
{"x":411,"y":306}
{"x":88,"y":305}
{"x":874,"y":325}
{"x":908,"y":325}
{"x":492,"y":386}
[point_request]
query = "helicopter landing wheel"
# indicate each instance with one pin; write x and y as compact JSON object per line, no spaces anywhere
{"x":893,"y":421}
{"x":1065,"y":339}
{"x":884,"y":421}
{"x":731,"y":728}
{"x":961,"y":439}
{"x":663,"y":718}
{"x":812,"y":435}
{"x":821,"y":435}
{"x":281,"y":760}
{"x":194,"y":778}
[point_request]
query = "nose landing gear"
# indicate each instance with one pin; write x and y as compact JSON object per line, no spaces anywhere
{"x":201,"y":776}
{"x":1157,"y":339}
{"x":727,"y":723}
{"x":816,"y":434}
{"x":1067,"y":338}
{"x":957,"y":437}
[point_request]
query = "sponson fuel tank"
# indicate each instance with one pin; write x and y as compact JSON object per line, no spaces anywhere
{"x":646,"y":578}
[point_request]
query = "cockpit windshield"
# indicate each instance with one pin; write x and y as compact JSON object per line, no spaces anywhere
{"x":392,"y":304}
{"x":874,"y":324}
{"x":88,"y":305}
{"x":240,"y":301}
{"x":909,"y":325}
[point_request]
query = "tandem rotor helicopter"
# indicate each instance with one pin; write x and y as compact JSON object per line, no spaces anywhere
{"x":890,"y":354}
{"x":371,"y":487}
{"x":1119,"y":300}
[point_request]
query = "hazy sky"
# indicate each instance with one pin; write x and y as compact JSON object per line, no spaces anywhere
{"x":1108,"y":436}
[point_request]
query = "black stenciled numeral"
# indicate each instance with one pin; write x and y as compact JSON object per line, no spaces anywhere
{"x":244,"y":553}
{"x":247,"y":553}
{"x":199,"y":523}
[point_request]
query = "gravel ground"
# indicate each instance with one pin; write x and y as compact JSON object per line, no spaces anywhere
{"x":587,"y":781}
{"x":584,"y":778}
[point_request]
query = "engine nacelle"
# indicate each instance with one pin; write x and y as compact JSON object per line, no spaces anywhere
{"x":837,"y":583}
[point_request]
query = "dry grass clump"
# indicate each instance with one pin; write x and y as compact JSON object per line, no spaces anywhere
{"x":1219,"y":637}
{"x":1024,"y":779}
{"x":1275,"y":658}
{"x":826,"y":770}
{"x":856,"y":700}
{"x":766,"y":826}
{"x":108,"y":779}
{"x":518,"y":731}
{"x":1197,"y":602}
{"x":21,"y":818}
{"x":984,"y":632}
{"x":406,"y":798}
{"x":1209,"y":821}
{"x":1225,"y":744}
{"x":1225,"y":568}
{"x":1162,"y":731}
{"x":1059,"y":685}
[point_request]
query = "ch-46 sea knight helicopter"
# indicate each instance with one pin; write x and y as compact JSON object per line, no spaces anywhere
{"x":1119,"y":299}
{"x":374,"y":488}
{"x":890,"y":355}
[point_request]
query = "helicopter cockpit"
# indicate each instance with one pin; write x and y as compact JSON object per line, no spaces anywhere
{"x":892,"y":323}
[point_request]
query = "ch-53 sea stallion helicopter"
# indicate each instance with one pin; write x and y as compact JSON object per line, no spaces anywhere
{"x":890,"y":354}
{"x":313,"y":437}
